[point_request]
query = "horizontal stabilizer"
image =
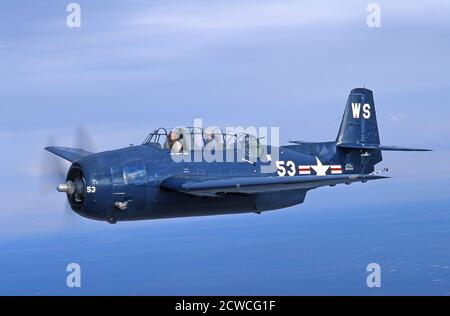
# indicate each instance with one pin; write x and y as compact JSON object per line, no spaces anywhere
{"x":380,"y":147}
{"x":70,"y":154}
{"x":301,"y":142}
{"x":209,"y":186}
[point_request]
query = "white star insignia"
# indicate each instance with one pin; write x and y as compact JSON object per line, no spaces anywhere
{"x":320,"y":169}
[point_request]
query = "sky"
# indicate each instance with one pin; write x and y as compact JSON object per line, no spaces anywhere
{"x":134,"y":66}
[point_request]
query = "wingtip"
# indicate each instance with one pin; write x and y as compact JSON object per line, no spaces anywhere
{"x":51,"y":148}
{"x":373,"y":177}
{"x":421,"y":149}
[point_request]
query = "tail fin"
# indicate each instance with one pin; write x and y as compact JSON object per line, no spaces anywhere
{"x":359,"y":123}
{"x":358,"y":140}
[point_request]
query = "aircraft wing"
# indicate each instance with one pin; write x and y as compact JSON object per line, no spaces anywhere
{"x":209,"y":186}
{"x":70,"y":154}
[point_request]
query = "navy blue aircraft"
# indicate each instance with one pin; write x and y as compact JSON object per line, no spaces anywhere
{"x":147,"y":182}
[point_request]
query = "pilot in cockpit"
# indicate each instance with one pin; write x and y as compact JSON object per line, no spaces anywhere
{"x":173,"y":142}
{"x":208,"y":136}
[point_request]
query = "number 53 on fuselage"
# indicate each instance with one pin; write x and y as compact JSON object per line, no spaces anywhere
{"x":152,"y":181}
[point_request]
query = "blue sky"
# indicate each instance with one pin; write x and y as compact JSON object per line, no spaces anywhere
{"x":131,"y":68}
{"x":139,"y":65}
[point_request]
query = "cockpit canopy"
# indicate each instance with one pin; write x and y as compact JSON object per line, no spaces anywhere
{"x":195,"y":138}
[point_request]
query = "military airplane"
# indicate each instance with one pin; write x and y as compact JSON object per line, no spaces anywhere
{"x":149,"y":181}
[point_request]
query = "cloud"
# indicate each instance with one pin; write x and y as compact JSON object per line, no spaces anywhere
{"x":238,"y":15}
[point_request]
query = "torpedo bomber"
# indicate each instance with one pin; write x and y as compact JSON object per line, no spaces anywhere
{"x":169,"y":175}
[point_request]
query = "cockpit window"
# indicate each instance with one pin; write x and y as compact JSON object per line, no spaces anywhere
{"x":156,"y":138}
{"x":187,"y":139}
{"x":249,"y":145}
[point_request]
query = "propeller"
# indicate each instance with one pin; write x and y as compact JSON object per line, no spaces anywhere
{"x":53,"y":171}
{"x":83,"y":140}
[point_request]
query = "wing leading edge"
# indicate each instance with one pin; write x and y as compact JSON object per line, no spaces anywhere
{"x":70,"y":154}
{"x":208,"y":186}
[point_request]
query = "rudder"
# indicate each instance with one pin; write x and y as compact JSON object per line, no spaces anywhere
{"x":359,"y":127}
{"x":359,"y":122}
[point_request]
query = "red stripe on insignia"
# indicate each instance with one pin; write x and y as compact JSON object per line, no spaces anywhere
{"x":304,"y":169}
